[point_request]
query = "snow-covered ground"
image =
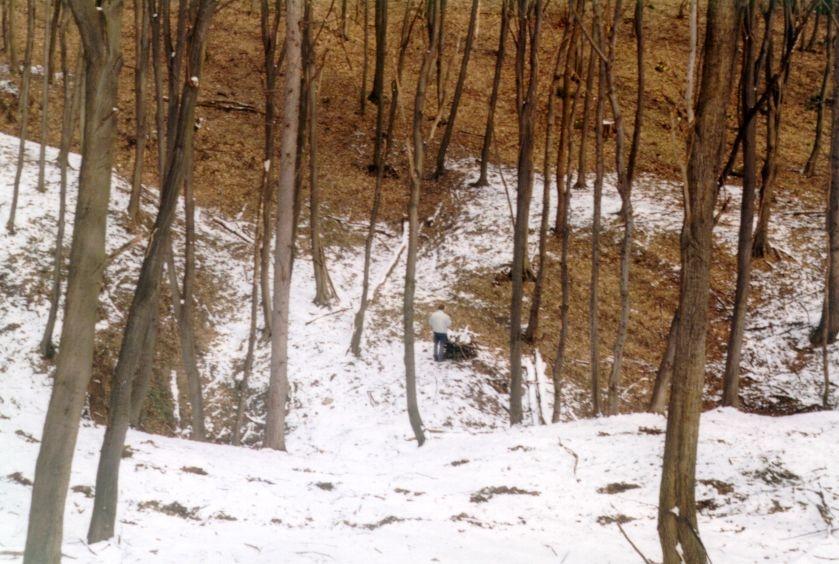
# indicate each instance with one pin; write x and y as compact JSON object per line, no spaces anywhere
{"x":354,"y":487}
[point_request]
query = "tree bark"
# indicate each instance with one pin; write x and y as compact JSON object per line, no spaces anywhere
{"x":362,"y":98}
{"x":23,"y":110}
{"x":49,"y":25}
{"x":580,"y":184}
{"x":324,"y":291}
{"x":658,"y":399}
{"x":141,"y":314}
{"x":594,"y":291}
{"x":677,"y":523}
{"x":810,"y":165}
{"x":284,"y":250}
{"x":100,"y":34}
{"x":828,"y":326}
{"x":731,"y":379}
{"x":458,"y":90}
{"x":493,"y":97}
{"x":529,"y":22}
{"x":68,"y":126}
{"x":141,"y":47}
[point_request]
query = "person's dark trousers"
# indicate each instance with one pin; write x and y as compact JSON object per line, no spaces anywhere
{"x":440,"y":341}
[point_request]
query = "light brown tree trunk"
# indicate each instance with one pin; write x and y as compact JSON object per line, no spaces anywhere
{"x":731,"y":379}
{"x":677,"y":523}
{"x":658,"y":399}
{"x":23,"y":110}
{"x":581,"y":165}
{"x":100,"y":31}
{"x":594,"y":286}
{"x":49,"y":25}
{"x":284,"y":251}
{"x":458,"y":90}
{"x":141,"y":47}
{"x":324,"y":290}
{"x":143,"y":305}
{"x":493,"y":97}
{"x":527,"y":79}
{"x":10,"y":33}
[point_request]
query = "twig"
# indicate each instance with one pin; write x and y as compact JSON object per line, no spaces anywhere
{"x":576,"y":458}
{"x":632,"y":544}
{"x":229,"y":229}
{"x":125,"y":246}
{"x":337,"y":311}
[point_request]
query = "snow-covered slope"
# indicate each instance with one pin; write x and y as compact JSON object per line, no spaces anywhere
{"x":354,"y":487}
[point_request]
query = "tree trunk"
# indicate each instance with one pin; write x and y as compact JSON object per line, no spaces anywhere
{"x":324,"y":291}
{"x":493,"y":97}
{"x":362,"y":98}
{"x":810,"y":166}
{"x":284,"y":251}
{"x":828,"y":326}
{"x":658,"y":400}
{"x":49,"y":25}
{"x":141,"y":46}
{"x":529,"y":20}
{"x":100,"y":32}
{"x":380,"y":15}
{"x":358,"y":322}
{"x":563,"y":178}
{"x":23,"y":110}
{"x":415,"y":164}
{"x":594,"y":292}
{"x":580,"y":184}
{"x":677,"y":522}
{"x":458,"y":90}
{"x":143,"y":305}
{"x":731,"y":379}
{"x":68,"y":126}
{"x":11,"y":42}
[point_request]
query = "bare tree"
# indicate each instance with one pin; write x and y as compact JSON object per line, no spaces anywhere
{"x":594,"y":291}
{"x":358,"y":322}
{"x":810,"y":165}
{"x":828,"y":325}
{"x":584,"y":131}
{"x":144,"y":303}
{"x":416,"y":154}
{"x":284,"y":248}
{"x":9,"y":32}
{"x":458,"y":89}
{"x":141,"y":47}
{"x":23,"y":110}
{"x":493,"y":97}
{"x":362,"y":97}
{"x":100,"y":34}
{"x":677,"y":522}
{"x":71,"y":92}
{"x":380,"y":15}
{"x":731,"y":385}
{"x":51,"y":22}
{"x":527,"y":80}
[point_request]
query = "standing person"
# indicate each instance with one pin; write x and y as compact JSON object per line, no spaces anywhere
{"x":440,"y":323}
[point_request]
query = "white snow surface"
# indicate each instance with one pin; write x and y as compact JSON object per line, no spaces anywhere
{"x":354,"y":487}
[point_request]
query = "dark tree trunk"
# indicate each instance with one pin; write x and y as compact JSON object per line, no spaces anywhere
{"x":581,"y":166}
{"x":358,"y":323}
{"x":594,"y":292}
{"x":141,"y":46}
{"x":68,"y":126}
{"x":527,"y":78}
{"x":731,"y":385}
{"x":493,"y":97}
{"x":100,"y":33}
{"x":458,"y":90}
{"x":380,"y":16}
{"x":49,"y":26}
{"x":23,"y":110}
{"x":828,"y":326}
{"x":362,"y":98}
{"x":677,"y":523}
{"x":324,"y":291}
{"x":810,"y":166}
{"x":141,"y":314}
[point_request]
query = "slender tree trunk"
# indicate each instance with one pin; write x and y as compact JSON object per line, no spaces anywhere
{"x":380,"y":16}
{"x":811,"y":44}
{"x":458,"y":89}
{"x":594,"y":293}
{"x":11,"y":32}
{"x":71,"y":93}
{"x":362,"y":98}
{"x":529,"y":20}
{"x":154,"y":7}
{"x":358,"y":323}
{"x":493,"y":97}
{"x":658,"y":400}
{"x":100,"y":32}
{"x":344,"y":19}
{"x":810,"y":166}
{"x":731,"y":380}
{"x":49,"y":25}
{"x":677,"y":523}
{"x":142,"y":382}
{"x":828,"y":326}
{"x":141,"y":46}
{"x":324,"y":291}
{"x":563,"y":178}
{"x":23,"y":110}
{"x":581,"y":166}
{"x":278,"y":386}
{"x":143,"y":305}
{"x":416,"y":156}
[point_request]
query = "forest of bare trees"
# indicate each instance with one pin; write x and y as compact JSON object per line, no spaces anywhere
{"x":565,"y":107}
